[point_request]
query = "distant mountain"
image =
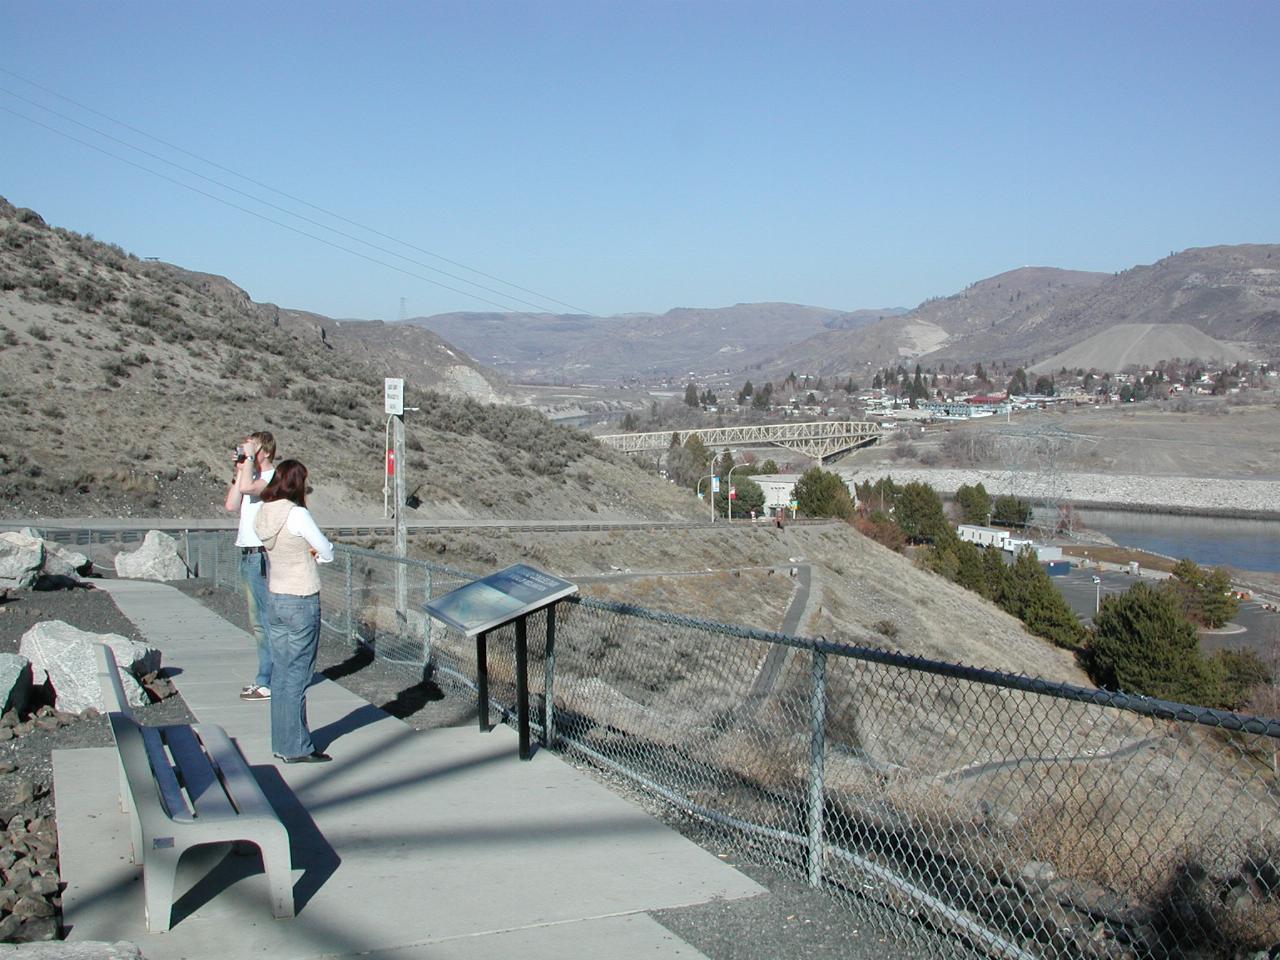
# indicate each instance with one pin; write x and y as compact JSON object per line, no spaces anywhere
{"x":578,"y":348}
{"x":1230,"y":294}
{"x":1028,"y":294}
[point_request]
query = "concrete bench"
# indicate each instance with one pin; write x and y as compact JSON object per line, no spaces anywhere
{"x":184,"y":786}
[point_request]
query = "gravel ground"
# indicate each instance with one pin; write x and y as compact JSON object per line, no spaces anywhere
{"x":28,"y":758}
{"x":790,"y":920}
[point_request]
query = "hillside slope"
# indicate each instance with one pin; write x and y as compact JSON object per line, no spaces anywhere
{"x":126,"y":384}
{"x":1027,"y":296}
{"x":1141,"y":345}
{"x":1229,"y":293}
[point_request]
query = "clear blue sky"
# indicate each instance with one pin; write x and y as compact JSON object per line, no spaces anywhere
{"x":628,"y":156}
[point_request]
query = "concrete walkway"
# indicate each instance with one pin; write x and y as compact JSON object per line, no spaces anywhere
{"x":438,"y":844}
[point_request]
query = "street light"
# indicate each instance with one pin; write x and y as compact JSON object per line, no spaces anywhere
{"x":1097,"y":594}
{"x":729,"y":493}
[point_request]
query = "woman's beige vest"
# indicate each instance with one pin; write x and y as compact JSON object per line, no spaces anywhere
{"x":290,"y":567}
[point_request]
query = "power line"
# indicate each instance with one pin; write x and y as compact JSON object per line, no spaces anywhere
{"x":296,"y":199}
{"x":273,"y":206}
{"x":254,"y":213}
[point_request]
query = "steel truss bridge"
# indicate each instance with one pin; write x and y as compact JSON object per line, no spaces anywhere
{"x":819,"y":439}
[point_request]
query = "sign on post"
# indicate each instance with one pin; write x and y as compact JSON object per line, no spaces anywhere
{"x":393,"y":395}
{"x":499,"y":598}
{"x":715,"y":484}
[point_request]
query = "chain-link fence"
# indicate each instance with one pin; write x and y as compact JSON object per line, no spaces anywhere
{"x":1026,"y":818}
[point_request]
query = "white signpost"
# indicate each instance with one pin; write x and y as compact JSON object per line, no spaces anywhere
{"x":393,"y":401}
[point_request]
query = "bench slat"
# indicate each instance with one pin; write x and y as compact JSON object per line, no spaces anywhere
{"x":171,"y":795}
{"x":237,"y":779}
{"x":204,"y":790}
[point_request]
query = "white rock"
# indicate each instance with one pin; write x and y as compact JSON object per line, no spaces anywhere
{"x":58,"y":560}
{"x":156,"y":559}
{"x":21,"y":557}
{"x":64,"y":655}
{"x":15,"y":682}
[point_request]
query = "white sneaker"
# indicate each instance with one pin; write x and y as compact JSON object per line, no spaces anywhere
{"x":254,"y":692}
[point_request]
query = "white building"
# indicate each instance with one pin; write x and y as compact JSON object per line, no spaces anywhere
{"x":983,"y":536}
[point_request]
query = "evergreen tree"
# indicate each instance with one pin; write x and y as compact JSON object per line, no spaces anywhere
{"x":819,"y":493}
{"x":970,"y":571}
{"x":918,"y":511}
{"x":1217,"y":604}
{"x":745,"y":393}
{"x":1041,"y":606}
{"x":974,"y":503}
{"x":691,"y":395}
{"x":1010,"y":511}
{"x":877,"y":382}
{"x":1143,"y":644}
{"x":769,"y":466}
{"x":1018,"y":383}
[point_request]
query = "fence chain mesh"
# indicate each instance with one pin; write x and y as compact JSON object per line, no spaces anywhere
{"x":1023,"y":818}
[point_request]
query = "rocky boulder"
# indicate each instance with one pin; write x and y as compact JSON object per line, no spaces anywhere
{"x":156,"y":559}
{"x":21,"y":558}
{"x":15,"y":683}
{"x":58,"y":560}
{"x":64,"y":656}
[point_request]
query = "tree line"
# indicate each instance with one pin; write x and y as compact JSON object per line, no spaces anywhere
{"x":1142,"y":641}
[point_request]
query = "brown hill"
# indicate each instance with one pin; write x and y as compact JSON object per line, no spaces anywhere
{"x":577,"y":348}
{"x":1230,"y":293}
{"x":1026,"y":295}
{"x":1140,"y":345}
{"x":126,"y":383}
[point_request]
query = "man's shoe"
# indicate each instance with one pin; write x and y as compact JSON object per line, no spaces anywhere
{"x":254,"y":692}
{"x":316,"y":757}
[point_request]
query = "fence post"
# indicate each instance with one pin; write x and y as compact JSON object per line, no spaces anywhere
{"x":351,"y":633}
{"x":217,"y":561}
{"x":426,"y":627}
{"x":817,"y":759}
{"x":549,"y":682}
{"x":186,"y":540}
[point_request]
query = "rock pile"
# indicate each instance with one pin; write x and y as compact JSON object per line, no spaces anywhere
{"x":30,"y":895}
{"x":27,"y":559}
{"x":156,"y":559}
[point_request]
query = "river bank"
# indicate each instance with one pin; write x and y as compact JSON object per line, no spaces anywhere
{"x":1179,"y":496}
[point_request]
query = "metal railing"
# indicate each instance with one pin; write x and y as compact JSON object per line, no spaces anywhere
{"x":1026,"y":818}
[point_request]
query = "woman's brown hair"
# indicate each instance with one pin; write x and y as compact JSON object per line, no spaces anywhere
{"x":289,"y":483}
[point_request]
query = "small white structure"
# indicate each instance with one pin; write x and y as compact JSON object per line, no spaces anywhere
{"x":778,"y":489}
{"x":983,"y":536}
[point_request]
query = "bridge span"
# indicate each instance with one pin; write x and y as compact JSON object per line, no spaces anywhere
{"x":818,"y":439}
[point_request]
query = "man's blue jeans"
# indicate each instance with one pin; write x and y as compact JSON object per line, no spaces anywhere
{"x":294,"y":628}
{"x":253,"y":580}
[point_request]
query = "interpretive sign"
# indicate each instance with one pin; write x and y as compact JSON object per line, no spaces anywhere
{"x":499,"y":598}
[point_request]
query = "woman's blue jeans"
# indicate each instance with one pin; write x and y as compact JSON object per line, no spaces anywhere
{"x":253,"y":580}
{"x":293,"y":628}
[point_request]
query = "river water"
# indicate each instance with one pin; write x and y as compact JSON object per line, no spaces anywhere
{"x":1209,"y":541}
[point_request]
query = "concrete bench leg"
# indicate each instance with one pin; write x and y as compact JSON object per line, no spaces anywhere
{"x":278,"y":865}
{"x":159,"y":874}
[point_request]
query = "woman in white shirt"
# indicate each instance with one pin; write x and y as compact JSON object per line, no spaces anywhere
{"x":294,"y":546}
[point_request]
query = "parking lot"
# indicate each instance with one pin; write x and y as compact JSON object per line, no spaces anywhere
{"x":1252,"y":628}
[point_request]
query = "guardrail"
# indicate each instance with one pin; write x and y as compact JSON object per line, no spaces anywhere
{"x":1028,"y":819}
